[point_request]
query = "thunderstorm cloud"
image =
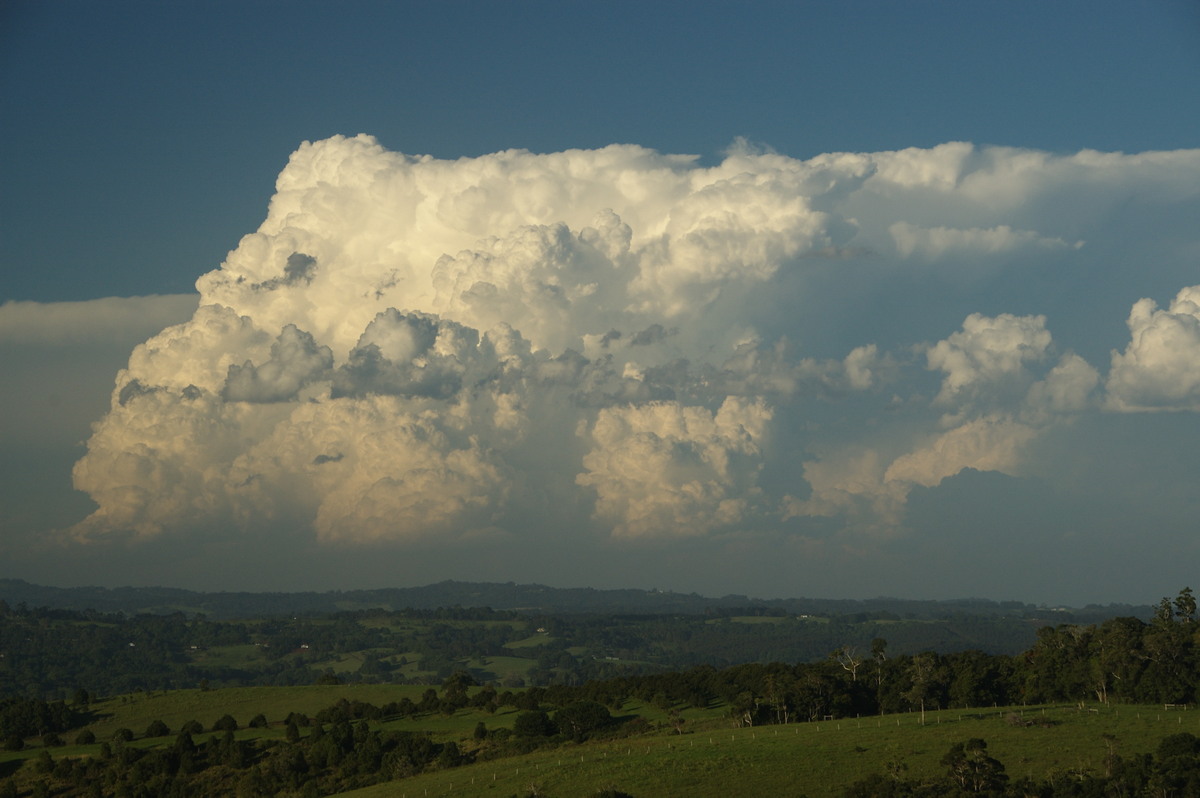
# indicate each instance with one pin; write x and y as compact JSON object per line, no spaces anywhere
{"x":411,"y":350}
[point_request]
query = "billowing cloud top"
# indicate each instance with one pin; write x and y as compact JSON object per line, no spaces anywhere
{"x":411,"y":348}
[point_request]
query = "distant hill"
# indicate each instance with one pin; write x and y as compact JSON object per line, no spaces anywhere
{"x":532,"y":598}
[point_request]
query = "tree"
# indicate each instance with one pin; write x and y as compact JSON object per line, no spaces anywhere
{"x":847,"y":656}
{"x":225,"y":723}
{"x":454,"y":689}
{"x":1185,"y":606}
{"x":533,"y":724}
{"x":581,"y":718}
{"x":879,"y":657}
{"x":157,"y":729}
{"x":450,"y":756}
{"x":920,"y":673}
{"x":972,"y":769}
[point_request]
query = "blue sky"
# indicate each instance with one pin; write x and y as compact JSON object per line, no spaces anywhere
{"x":142,"y":141}
{"x":155,"y":130}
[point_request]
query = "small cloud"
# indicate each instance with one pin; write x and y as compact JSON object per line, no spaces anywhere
{"x":939,"y":242}
{"x":1160,"y":367}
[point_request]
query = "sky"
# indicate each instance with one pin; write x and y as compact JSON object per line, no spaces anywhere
{"x":836,"y":300}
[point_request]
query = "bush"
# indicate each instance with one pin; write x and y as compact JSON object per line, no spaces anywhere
{"x":157,"y":729}
{"x":192,"y":727}
{"x":225,"y":723}
{"x":581,"y":718}
{"x":85,"y":737}
{"x":533,"y":724}
{"x":124,"y":735}
{"x":1181,"y":744}
{"x":259,"y":721}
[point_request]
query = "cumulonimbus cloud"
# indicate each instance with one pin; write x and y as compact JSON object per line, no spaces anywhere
{"x":409,"y":348}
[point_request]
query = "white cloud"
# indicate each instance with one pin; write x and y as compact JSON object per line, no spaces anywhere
{"x":370,"y":469}
{"x":1160,"y":367}
{"x":987,"y":351}
{"x":663,"y":469}
{"x":992,"y":443}
{"x":1067,"y":388}
{"x":410,"y":349}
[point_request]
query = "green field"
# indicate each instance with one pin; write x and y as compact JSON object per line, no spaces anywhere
{"x":710,"y":758}
{"x":814,"y":759}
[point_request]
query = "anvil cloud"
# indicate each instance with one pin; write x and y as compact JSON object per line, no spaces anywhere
{"x":419,"y":351}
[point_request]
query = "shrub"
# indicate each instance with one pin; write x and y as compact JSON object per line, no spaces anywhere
{"x":1181,"y":744}
{"x":225,"y":723}
{"x":533,"y":724}
{"x":85,"y":737}
{"x":157,"y":729}
{"x":581,"y":718}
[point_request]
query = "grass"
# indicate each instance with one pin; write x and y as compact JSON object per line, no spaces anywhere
{"x":534,"y":640}
{"x":815,"y":759}
{"x":711,"y":758}
{"x":176,"y":707}
{"x":502,"y":668}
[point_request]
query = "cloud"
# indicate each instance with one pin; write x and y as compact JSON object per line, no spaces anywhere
{"x":986,"y":444}
{"x":994,"y":409}
{"x":1160,"y":367}
{"x":938,"y":242}
{"x":83,"y":323}
{"x":295,"y":361}
{"x":410,"y":350}
{"x":987,"y":353}
{"x":662,"y":469}
{"x":58,"y":360}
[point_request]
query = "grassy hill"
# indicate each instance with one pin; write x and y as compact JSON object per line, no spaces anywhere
{"x":710,"y":758}
{"x":713,"y":760}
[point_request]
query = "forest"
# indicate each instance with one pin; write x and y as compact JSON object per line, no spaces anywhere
{"x":46,"y":652}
